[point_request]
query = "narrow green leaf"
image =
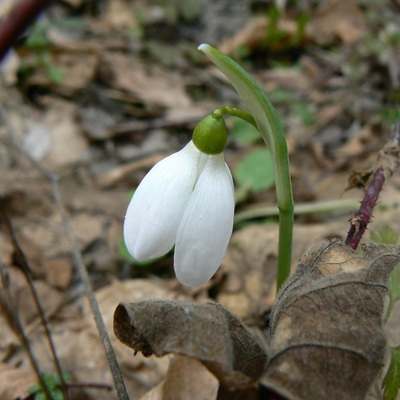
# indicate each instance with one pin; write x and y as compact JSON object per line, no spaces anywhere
{"x":385,"y":235}
{"x":394,"y":287}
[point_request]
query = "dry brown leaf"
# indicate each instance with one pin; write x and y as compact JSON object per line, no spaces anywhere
{"x":284,"y":78}
{"x":187,"y":377}
{"x":9,"y":342}
{"x":14,"y":382}
{"x":22,"y":192}
{"x":58,"y":271}
{"x":327,"y":339}
{"x":77,"y":69}
{"x":152,"y":85}
{"x":248,"y":289}
{"x":250,"y":36}
{"x":79,"y":347}
{"x":22,"y":295}
{"x":357,"y":145}
{"x":121,"y":15}
{"x":337,"y":19}
{"x":68,"y":143}
{"x":140,"y":373}
{"x":87,"y":228}
{"x":50,"y":299}
{"x":206,"y":332}
{"x":253,"y":34}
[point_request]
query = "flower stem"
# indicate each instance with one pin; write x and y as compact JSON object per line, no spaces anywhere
{"x":235,"y":112}
{"x":270,"y":127}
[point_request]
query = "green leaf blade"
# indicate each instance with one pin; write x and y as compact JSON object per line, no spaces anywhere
{"x":255,"y":171}
{"x":385,"y":235}
{"x":244,"y":132}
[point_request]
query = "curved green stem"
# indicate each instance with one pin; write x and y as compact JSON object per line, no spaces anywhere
{"x":270,"y":127}
{"x":235,"y":112}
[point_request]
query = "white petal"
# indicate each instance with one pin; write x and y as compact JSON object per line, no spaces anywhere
{"x":206,"y":225}
{"x":157,"y":206}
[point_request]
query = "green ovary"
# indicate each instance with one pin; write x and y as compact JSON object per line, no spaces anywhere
{"x":210,"y":134}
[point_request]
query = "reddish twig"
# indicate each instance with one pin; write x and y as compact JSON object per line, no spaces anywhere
{"x":358,"y":224}
{"x":387,"y":164}
{"x":15,"y":24}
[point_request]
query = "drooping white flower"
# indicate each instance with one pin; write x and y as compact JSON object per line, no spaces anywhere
{"x":206,"y":226}
{"x":187,"y":199}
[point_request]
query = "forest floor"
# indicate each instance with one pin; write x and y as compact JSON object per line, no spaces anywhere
{"x":97,"y":94}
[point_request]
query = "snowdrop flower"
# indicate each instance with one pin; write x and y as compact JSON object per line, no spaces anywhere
{"x":187,"y":199}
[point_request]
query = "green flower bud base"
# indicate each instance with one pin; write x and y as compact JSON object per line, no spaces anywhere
{"x":210,"y":134}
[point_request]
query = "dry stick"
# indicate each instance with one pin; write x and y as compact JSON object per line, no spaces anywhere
{"x":109,"y":350}
{"x":15,"y":24}
{"x":84,"y":276}
{"x":27,"y":271}
{"x":91,"y":385}
{"x":387,"y":164}
{"x":361,"y":219}
{"x":8,"y":308}
{"x":10,"y":29}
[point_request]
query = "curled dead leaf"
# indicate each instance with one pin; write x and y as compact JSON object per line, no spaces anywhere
{"x":326,"y":339}
{"x":326,"y":334}
{"x":206,"y":332}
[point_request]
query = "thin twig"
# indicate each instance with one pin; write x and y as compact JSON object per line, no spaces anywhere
{"x":91,"y":385}
{"x":27,"y":271}
{"x":361,"y":219}
{"x":18,"y":20}
{"x":105,"y":338}
{"x":83,"y":274}
{"x":8,"y":308}
{"x":387,"y":164}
